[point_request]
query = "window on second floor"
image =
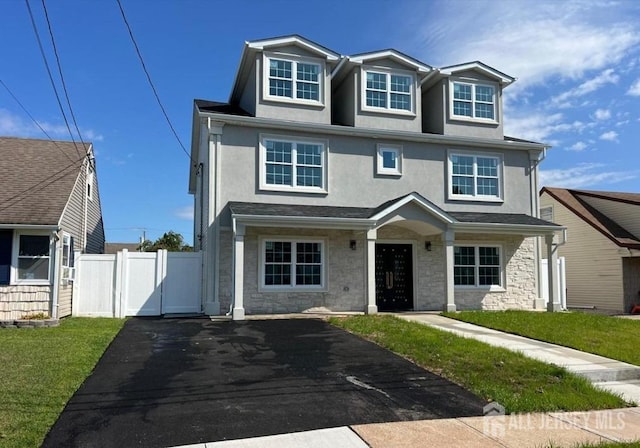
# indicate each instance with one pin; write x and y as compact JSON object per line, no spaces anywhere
{"x":385,"y":91}
{"x":293,"y":79}
{"x":475,"y":176}
{"x":389,"y":160}
{"x":473,"y":101}
{"x":293,"y":165}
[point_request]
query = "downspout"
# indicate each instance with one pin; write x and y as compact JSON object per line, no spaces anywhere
{"x":86,"y":206}
{"x":56,"y":273}
{"x":535,"y":212}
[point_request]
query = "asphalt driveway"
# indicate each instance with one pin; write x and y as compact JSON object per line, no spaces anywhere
{"x":166,"y":382}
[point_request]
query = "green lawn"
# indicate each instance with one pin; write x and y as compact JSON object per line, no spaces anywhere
{"x":608,"y":336}
{"x":519,"y":383}
{"x":41,"y":368}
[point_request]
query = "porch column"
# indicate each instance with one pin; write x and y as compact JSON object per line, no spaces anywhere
{"x":372,"y":235}
{"x":238,"y":272}
{"x":448,"y":238}
{"x":552,"y":266}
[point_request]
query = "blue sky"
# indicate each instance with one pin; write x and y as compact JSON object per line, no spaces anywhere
{"x":577,"y":64}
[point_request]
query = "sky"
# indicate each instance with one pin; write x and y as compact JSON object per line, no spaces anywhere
{"x":577,"y":65}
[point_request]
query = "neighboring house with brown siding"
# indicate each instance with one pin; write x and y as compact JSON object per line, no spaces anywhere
{"x":602,"y":251}
{"x":49,"y":208}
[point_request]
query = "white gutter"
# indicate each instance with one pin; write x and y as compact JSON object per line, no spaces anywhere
{"x":369,"y":133}
{"x":30,"y":226}
{"x":520,"y":229}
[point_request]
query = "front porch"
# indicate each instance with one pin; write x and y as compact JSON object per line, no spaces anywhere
{"x":405,"y":255}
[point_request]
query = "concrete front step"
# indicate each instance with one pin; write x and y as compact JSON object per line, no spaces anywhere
{"x":611,"y":374}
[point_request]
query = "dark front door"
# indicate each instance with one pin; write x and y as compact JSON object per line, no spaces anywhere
{"x":394,"y":277}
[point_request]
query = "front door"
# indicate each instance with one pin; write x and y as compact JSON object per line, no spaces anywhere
{"x":394,"y":277}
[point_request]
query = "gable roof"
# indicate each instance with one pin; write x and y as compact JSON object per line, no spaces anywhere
{"x":481,"y":67}
{"x":576,"y":202}
{"x":37,"y":179}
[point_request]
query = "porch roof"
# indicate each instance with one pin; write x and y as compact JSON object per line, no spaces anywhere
{"x":368,"y":217}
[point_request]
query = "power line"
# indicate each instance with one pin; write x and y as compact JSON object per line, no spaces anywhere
{"x":34,"y":120}
{"x":155,"y":92}
{"x":53,"y":84}
{"x":64,"y":84}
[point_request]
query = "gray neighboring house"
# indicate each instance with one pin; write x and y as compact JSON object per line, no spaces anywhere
{"x":49,"y":208}
{"x":370,"y":182}
{"x":602,"y":252}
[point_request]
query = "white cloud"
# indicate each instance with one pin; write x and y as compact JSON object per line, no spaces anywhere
{"x":611,"y":136}
{"x":17,"y":126}
{"x":584,"y":175}
{"x":539,"y":126}
{"x":634,"y":90}
{"x":185,"y":212}
{"x":606,"y":77}
{"x":602,"y":114}
{"x":552,"y":39}
{"x":578,"y":146}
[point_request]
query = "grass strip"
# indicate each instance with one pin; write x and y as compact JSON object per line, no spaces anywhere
{"x":519,"y":383}
{"x":41,"y":368}
{"x":607,"y":336}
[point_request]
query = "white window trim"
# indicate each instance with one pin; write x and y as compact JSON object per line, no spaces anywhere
{"x":294,"y":59}
{"x":473,"y":85}
{"x":288,"y":288}
{"x":380,"y":169}
{"x":67,"y":272}
{"x":297,"y":189}
{"x":388,"y":109}
{"x":477,"y":286}
{"x":14,"y":259}
{"x":467,"y":197}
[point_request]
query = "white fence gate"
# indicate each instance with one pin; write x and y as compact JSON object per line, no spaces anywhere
{"x":562,"y":282}
{"x":137,"y":284}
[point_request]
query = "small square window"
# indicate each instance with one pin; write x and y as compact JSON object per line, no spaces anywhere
{"x":389,"y":160}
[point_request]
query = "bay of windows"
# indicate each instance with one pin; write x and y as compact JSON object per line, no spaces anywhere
{"x":476,"y":266}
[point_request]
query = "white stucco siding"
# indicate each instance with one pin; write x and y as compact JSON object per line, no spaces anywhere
{"x":352,"y":181}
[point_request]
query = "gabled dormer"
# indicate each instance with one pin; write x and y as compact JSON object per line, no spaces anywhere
{"x":286,"y":78}
{"x":465,"y":100}
{"x":380,"y":90}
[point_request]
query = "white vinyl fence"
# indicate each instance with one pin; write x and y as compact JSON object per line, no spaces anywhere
{"x":562,"y":282}
{"x":137,"y":284}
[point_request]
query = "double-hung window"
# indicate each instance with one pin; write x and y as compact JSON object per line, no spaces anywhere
{"x":473,"y":101}
{"x":293,"y":165}
{"x":293,"y":79}
{"x":388,"y":91}
{"x":292,"y":264}
{"x":32,"y":258}
{"x":475,"y":177}
{"x":67,"y":261}
{"x":477,"y":266}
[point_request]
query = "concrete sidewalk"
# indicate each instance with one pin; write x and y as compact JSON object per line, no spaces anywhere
{"x":557,"y":429}
{"x":614,"y":376}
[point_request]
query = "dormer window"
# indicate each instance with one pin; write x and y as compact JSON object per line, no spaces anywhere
{"x":388,"y":91}
{"x":293,"y":80}
{"x":473,"y":101}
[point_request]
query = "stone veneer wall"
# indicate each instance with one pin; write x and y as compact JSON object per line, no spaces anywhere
{"x":520,"y":289}
{"x":346,"y":289}
{"x":18,"y":301}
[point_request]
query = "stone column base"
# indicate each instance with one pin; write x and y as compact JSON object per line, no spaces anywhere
{"x":539,"y":304}
{"x":238,"y":314}
{"x":372,"y":309}
{"x":450,"y":308}
{"x":554,"y":307}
